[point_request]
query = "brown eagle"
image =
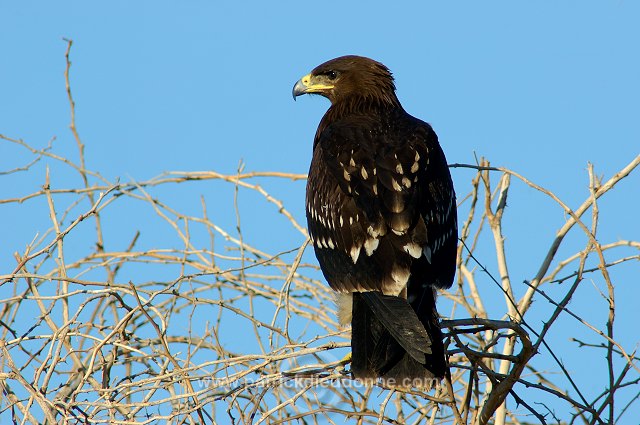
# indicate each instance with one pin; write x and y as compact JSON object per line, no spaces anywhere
{"x":381,"y":212}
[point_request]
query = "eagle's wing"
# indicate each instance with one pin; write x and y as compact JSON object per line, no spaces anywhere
{"x":381,"y":206}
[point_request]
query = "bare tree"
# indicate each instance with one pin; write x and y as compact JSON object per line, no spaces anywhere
{"x":208,"y":328}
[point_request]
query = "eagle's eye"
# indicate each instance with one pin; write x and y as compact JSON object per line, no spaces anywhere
{"x":332,"y":75}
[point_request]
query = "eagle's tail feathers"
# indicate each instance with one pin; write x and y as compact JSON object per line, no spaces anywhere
{"x":390,"y":343}
{"x":365,"y":331}
{"x":399,"y":319}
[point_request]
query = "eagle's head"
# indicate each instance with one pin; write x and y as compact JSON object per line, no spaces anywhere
{"x":346,"y":78}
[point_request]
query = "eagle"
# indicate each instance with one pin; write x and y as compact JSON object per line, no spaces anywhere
{"x":382,"y":218}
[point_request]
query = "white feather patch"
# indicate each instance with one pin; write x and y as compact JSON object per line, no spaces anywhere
{"x":398,"y":232}
{"x":415,"y":166}
{"x":370,"y":245}
{"x":374,"y":233}
{"x":413,"y":249}
{"x":364,"y":173}
{"x":400,"y":278}
{"x":395,"y":185}
{"x":355,"y":253}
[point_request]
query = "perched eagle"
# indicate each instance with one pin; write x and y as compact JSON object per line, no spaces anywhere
{"x":381,"y":212}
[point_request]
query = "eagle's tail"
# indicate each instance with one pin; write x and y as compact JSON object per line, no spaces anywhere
{"x":390,"y":341}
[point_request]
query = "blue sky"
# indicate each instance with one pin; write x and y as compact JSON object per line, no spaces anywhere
{"x":542,"y":88}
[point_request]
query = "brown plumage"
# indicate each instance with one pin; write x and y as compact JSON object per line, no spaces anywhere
{"x":381,"y":214}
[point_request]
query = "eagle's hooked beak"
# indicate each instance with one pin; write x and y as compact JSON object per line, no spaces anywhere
{"x":309,"y":84}
{"x":299,"y":88}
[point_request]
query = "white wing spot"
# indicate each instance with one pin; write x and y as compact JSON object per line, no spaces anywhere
{"x":395,"y":185}
{"x":400,"y":276}
{"x":371,"y":245}
{"x":375,"y":188}
{"x":341,"y":221}
{"x":355,"y":253}
{"x":406,"y":182}
{"x":364,"y":173}
{"x":352,"y":162}
{"x":346,"y":175}
{"x":413,"y":250}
